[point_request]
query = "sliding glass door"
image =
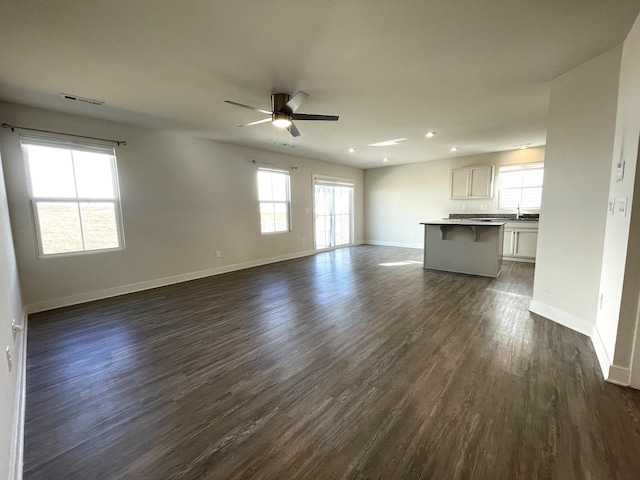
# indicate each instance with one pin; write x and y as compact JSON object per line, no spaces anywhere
{"x":333,"y":212}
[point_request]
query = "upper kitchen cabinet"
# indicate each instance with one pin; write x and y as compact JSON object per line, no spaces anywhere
{"x":472,"y":182}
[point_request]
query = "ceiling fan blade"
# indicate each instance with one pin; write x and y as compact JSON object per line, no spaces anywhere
{"x":264,"y":120}
{"x":267,"y":112}
{"x":293,"y":130}
{"x":310,"y":116}
{"x":295,"y":101}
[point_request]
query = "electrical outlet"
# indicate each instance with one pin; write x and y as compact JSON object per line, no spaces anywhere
{"x":464,"y":206}
{"x":9,"y":360}
{"x":484,"y":206}
{"x":303,"y":241}
{"x":218,"y":253}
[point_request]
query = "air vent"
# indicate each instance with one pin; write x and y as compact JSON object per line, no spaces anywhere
{"x":76,"y":98}
{"x":288,"y":145}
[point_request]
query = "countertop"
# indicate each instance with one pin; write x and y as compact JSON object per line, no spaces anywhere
{"x":468,"y":222}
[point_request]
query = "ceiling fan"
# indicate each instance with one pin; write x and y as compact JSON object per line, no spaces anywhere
{"x":283,"y":112}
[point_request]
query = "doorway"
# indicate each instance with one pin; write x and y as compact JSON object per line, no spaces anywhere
{"x":332,"y":212}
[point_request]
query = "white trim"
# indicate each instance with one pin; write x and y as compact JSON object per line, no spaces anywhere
{"x":333,"y":181}
{"x":601,"y":352}
{"x":518,"y":259}
{"x":619,"y":375}
{"x":17,"y":432}
{"x":395,"y":244}
{"x":568,"y":320}
{"x":160,"y":282}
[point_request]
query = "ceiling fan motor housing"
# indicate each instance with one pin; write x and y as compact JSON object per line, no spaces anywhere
{"x":279,"y":103}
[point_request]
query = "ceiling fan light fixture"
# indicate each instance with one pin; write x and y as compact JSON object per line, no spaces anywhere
{"x":281,"y":120}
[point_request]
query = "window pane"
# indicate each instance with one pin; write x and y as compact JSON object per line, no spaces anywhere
{"x":267,"y":218}
{"x":99,"y":225}
{"x":50,"y":172}
{"x":532,"y":178}
{"x":281,"y":218}
{"x":322,"y":203}
{"x":509,"y":198}
{"x":280,"y":189}
{"x":343,"y":200}
{"x":59,"y":227}
{"x":521,"y":185}
{"x":531,"y":197}
{"x":510,"y":179}
{"x":273,"y":193}
{"x":265,"y":192}
{"x":94,"y":174}
{"x":343,"y":228}
{"x":322,"y":232}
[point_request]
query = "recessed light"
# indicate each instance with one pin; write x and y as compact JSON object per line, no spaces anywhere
{"x":351,"y":150}
{"x":454,"y":149}
{"x":430,"y":134}
{"x":385,"y":159}
{"x":387,"y":143}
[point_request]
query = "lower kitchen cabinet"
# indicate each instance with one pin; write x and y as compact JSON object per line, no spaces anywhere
{"x":520,"y":241}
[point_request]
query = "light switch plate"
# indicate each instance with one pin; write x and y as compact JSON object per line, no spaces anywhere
{"x":620,"y":170}
{"x":622,"y":206}
{"x":612,"y":206}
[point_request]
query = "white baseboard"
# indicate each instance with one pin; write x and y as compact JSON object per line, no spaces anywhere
{"x":611,"y":373}
{"x":619,"y":375}
{"x":601,"y":352}
{"x":149,"y":284}
{"x":17,"y":433}
{"x":395,"y":244}
{"x":563,"y":318}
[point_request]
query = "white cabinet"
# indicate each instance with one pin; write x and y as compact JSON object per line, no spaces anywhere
{"x":520,"y":241}
{"x":471,"y":182}
{"x":460,"y":183}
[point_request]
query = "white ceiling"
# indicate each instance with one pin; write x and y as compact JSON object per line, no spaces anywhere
{"x":476,"y":71}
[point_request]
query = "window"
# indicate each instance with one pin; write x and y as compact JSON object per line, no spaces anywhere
{"x":74,"y":196}
{"x":273,"y":194}
{"x":520,"y":186}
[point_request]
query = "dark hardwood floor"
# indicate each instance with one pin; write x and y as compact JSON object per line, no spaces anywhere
{"x":350,"y":364}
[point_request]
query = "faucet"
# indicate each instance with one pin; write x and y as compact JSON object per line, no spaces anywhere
{"x":518,"y":214}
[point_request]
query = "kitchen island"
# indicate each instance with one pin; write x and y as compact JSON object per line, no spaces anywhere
{"x":464,"y":246}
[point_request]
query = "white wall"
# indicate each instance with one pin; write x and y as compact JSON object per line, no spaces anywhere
{"x":580,"y":137}
{"x":183,"y":198}
{"x":398,"y":198}
{"x":10,"y":308}
{"x":620,"y":279}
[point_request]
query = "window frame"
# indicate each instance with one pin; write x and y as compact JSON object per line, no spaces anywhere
{"x":519,"y":167}
{"x":287,"y":202}
{"x":25,"y":141}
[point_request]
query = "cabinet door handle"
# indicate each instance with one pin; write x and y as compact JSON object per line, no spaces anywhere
{"x":517,"y":234}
